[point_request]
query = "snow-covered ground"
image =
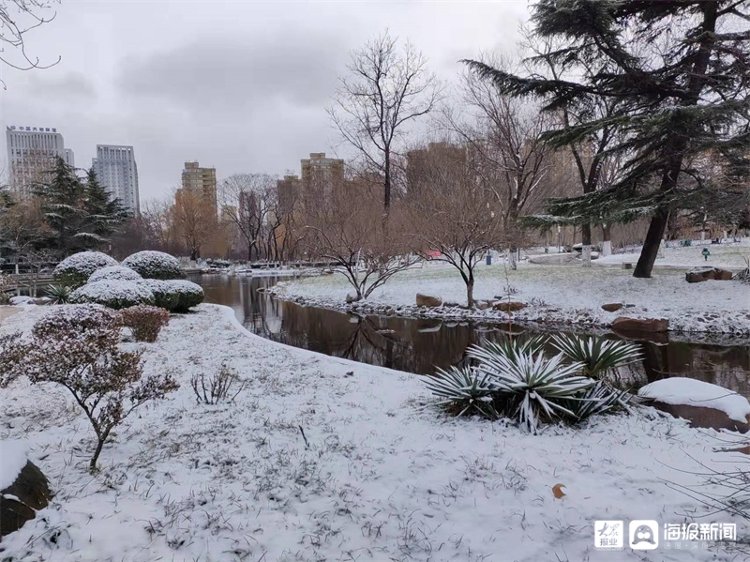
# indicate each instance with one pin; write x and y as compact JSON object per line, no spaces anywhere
{"x":729,"y":255}
{"x":378,"y":475}
{"x":556,"y":294}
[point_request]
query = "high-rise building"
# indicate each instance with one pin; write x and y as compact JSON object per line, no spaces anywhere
{"x":116,"y":170}
{"x":288,"y":192}
{"x":31,"y":156}
{"x":322,"y":179}
{"x":200,"y":180}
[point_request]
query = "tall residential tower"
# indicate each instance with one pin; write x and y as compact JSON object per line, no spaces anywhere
{"x":31,"y":156}
{"x":116,"y":170}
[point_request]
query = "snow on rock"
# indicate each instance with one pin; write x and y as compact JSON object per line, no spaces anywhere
{"x":21,"y":300}
{"x":151,"y":264}
{"x":114,"y":294}
{"x":77,"y":268}
{"x":12,"y":459}
{"x":114,"y":273}
{"x":681,"y":391}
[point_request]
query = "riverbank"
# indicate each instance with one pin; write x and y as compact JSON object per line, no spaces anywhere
{"x":553,"y":295}
{"x":378,"y":474}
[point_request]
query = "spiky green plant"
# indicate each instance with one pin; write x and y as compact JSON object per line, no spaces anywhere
{"x":512,"y":346}
{"x":531,"y":387}
{"x":464,"y":391}
{"x":599,"y":399}
{"x":597,"y":355}
{"x":60,"y":294}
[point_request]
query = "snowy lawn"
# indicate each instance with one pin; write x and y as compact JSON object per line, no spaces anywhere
{"x":554,"y":293}
{"x":379,"y":474}
{"x":729,"y":255}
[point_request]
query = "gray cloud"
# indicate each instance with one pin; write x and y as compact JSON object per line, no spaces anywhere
{"x":66,"y":86}
{"x":232,"y":73}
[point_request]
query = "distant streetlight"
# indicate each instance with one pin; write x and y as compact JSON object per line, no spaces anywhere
{"x":559,"y":242}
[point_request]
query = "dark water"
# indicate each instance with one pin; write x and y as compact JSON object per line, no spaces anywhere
{"x":421,"y":345}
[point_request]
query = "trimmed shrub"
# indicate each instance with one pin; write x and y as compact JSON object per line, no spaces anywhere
{"x":189,"y":294}
{"x":145,"y":321}
{"x":75,"y":270}
{"x":114,"y":273}
{"x":166,"y":295}
{"x":154,"y":265}
{"x":113,"y":294}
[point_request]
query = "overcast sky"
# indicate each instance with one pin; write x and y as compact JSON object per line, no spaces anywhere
{"x":241,"y":86}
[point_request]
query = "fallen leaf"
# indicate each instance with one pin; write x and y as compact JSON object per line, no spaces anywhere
{"x":557,"y":491}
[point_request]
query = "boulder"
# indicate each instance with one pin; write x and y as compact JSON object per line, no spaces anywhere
{"x":633,"y":325}
{"x":483,"y":305}
{"x":509,"y":306}
{"x":612,"y":307}
{"x":20,"y":501}
{"x":706,"y":274}
{"x":428,"y":301}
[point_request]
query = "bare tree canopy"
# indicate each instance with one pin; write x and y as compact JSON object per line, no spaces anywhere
{"x":388,"y":87}
{"x":17,"y":18}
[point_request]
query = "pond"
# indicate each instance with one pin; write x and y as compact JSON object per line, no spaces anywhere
{"x":423,"y":345}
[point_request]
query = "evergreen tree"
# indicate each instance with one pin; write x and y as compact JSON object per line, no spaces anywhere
{"x":62,"y":206}
{"x":679,"y":73}
{"x":104,"y":214}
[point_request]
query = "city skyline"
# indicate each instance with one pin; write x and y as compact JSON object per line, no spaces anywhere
{"x":261,"y":103}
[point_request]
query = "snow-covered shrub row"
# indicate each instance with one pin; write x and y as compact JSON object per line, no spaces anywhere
{"x":154,"y":265}
{"x":75,"y":270}
{"x":145,"y":321}
{"x":114,"y":273}
{"x":113,"y":294}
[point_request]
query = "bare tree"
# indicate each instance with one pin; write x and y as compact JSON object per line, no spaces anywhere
{"x":17,"y":18}
{"x":194,"y":220}
{"x":456,"y":219}
{"x":388,"y":89}
{"x":366,"y":250}
{"x":249,"y":201}
{"x":511,"y":159}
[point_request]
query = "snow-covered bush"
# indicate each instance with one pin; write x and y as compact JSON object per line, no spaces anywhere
{"x":515,"y":379}
{"x":75,"y":270}
{"x":114,"y":273}
{"x":151,"y":264}
{"x":113,"y":294}
{"x":189,"y":294}
{"x":145,"y":321}
{"x":166,"y":295}
{"x":78,"y":348}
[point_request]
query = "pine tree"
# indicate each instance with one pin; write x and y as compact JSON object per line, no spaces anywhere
{"x":680,"y":74}
{"x":62,"y":206}
{"x":103,"y":212}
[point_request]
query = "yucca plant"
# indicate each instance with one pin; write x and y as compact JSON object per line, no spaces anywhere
{"x":60,"y":294}
{"x":531,"y":387}
{"x":464,"y":391}
{"x":512,"y":346}
{"x":597,"y":355}
{"x":599,"y":399}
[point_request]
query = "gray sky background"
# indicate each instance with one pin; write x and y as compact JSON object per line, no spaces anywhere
{"x":241,"y":86}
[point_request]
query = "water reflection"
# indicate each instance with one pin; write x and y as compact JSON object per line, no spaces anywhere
{"x":423,"y":345}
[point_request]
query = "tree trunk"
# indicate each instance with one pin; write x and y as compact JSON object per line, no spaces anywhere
{"x":387,"y":183}
{"x":99,"y":445}
{"x":606,"y":240}
{"x":470,"y":290}
{"x":586,"y":234}
{"x":651,"y":246}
